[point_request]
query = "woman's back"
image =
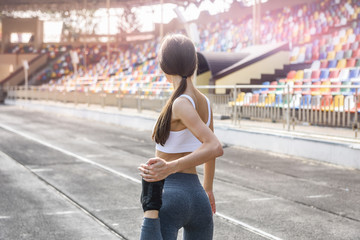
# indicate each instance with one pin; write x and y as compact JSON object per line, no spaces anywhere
{"x":181,"y":141}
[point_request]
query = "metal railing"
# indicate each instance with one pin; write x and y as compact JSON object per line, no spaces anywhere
{"x":285,"y":104}
{"x":288,"y":105}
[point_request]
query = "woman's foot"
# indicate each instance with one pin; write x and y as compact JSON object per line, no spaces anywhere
{"x":151,"y":195}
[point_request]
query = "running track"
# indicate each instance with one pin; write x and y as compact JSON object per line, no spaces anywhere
{"x":68,"y":178}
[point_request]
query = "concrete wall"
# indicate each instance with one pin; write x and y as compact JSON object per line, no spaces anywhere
{"x":11,"y":62}
{"x":18,"y":76}
{"x":203,"y":80}
{"x":22,"y":25}
{"x":16,"y":59}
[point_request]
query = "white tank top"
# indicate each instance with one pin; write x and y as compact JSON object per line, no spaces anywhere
{"x":183,"y":140}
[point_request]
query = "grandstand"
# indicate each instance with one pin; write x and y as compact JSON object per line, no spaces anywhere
{"x":304,"y":55}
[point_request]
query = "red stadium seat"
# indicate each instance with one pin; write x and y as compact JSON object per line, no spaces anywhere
{"x":315,"y":74}
{"x":351,"y":62}
{"x":323,"y":64}
{"x":291,"y":75}
{"x":334,"y":73}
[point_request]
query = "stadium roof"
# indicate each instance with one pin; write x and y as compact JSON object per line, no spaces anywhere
{"x":59,"y":5}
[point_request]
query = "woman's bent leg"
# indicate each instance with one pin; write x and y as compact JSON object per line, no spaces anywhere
{"x":150,"y":229}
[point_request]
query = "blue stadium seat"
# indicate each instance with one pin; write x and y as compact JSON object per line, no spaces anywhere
{"x":324,"y":73}
{"x":332,"y":63}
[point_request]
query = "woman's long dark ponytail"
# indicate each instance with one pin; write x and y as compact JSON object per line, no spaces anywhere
{"x":177,"y":57}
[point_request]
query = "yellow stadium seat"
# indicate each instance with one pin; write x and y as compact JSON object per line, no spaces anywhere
{"x":270,"y":99}
{"x":341,"y":63}
{"x":349,"y":31}
{"x":338,"y":101}
{"x":240,"y":97}
{"x":299,"y":74}
{"x":325,"y":90}
{"x":331,"y":55}
{"x":338,"y":47}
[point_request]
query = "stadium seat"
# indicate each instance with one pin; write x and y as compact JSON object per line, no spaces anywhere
{"x":350,"y":62}
{"x":270,"y":99}
{"x":307,"y":73}
{"x":346,"y":91}
{"x":339,"y":55}
{"x":324,"y":90}
{"x":356,"y":90}
{"x":306,"y":101}
{"x":334,"y":73}
{"x":338,"y":47}
{"x":248,"y":98}
{"x":297,"y":83}
{"x":281,"y":82}
{"x":354,"y":46}
{"x":354,"y":72}
{"x":333,"y":63}
{"x":349,"y":102}
{"x":315,"y":65}
{"x":346,"y":47}
{"x":299,"y":74}
{"x":341,"y":63}
{"x":344,"y":74}
{"x":326,"y":101}
{"x":273,"y":89}
{"x":278,"y":99}
{"x":324,"y":73}
{"x":335,"y":91}
{"x":315,"y":74}
{"x":348,"y":54}
{"x":324,"y":55}
{"x":308,"y":53}
{"x":324,"y":63}
{"x":266,"y":89}
{"x":291,"y":74}
{"x":314,"y":90}
{"x":305,"y":91}
{"x":338,"y":102}
{"x":356,"y":53}
{"x":240,"y":97}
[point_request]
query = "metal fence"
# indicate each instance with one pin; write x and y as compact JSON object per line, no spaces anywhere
{"x":284,"y":104}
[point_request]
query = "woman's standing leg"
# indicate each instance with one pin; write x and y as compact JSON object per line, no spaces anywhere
{"x":201,"y":225}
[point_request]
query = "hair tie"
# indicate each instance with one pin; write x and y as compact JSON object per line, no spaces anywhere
{"x":184,"y":77}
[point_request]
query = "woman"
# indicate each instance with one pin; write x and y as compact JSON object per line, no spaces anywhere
{"x":184,"y":139}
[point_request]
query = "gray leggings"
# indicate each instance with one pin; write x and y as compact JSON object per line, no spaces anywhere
{"x":185,"y":204}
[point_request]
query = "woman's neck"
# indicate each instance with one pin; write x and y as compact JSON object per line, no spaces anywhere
{"x":176,"y":83}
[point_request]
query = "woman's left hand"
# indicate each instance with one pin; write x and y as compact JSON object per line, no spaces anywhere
{"x":156,"y":169}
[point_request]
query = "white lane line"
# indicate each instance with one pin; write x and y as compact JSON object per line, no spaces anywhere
{"x":260,"y":199}
{"x":5,"y":217}
{"x":248,"y":227}
{"x":237,"y":222}
{"x":61,"y":213}
{"x":70,"y":153}
{"x":41,"y":169}
{"x":319,"y":196}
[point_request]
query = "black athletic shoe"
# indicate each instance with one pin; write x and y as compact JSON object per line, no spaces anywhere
{"x":151,"y":195}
